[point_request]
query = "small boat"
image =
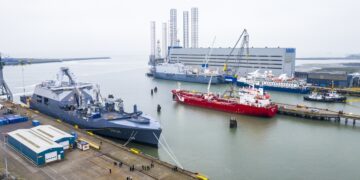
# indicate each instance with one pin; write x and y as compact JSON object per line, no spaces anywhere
{"x":331,"y":96}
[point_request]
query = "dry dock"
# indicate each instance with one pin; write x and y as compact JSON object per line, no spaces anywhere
{"x":316,"y":113}
{"x":111,"y":161}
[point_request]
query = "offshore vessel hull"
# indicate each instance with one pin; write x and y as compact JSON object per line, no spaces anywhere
{"x":100,"y":126}
{"x":276,"y":88}
{"x":194,"y":78}
{"x":222,"y":105}
{"x":81,"y":104}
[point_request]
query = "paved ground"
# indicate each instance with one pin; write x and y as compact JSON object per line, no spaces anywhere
{"x":91,"y":164}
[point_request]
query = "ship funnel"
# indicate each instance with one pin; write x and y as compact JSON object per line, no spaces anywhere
{"x":135,"y":108}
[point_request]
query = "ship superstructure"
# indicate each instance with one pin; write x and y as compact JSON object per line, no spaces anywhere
{"x":180,"y":72}
{"x":270,"y":82}
{"x":81,"y":104}
{"x":331,"y":96}
{"x":247,"y":101}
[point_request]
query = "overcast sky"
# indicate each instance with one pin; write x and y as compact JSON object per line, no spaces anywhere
{"x":76,"y":28}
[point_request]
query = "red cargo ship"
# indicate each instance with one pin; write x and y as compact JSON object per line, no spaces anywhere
{"x":248,"y":101}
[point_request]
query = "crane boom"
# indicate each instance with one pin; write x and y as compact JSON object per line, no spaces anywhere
{"x":245,"y":43}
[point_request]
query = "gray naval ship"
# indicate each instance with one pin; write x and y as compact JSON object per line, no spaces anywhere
{"x":81,"y":104}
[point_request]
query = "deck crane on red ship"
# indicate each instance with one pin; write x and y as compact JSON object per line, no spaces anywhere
{"x":230,"y":75}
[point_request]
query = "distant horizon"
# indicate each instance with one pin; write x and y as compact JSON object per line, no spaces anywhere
{"x":95,"y":28}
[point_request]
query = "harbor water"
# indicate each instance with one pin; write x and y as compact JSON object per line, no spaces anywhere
{"x":200,"y":139}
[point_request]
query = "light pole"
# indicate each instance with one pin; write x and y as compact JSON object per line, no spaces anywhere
{"x":5,"y":156}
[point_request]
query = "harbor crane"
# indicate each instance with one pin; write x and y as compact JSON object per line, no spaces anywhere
{"x":231,"y":75}
{"x":4,"y":88}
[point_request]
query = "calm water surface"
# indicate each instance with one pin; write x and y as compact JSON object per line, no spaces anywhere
{"x":278,"y":148}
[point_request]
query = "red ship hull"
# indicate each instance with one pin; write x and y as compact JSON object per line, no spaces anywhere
{"x":221,"y":105}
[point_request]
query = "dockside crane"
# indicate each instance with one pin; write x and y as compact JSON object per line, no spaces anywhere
{"x":4,"y":88}
{"x":231,"y":75}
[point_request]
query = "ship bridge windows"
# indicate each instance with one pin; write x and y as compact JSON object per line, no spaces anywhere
{"x":39,"y":99}
{"x":46,"y":101}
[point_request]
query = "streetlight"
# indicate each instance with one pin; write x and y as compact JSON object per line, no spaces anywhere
{"x":5,"y":156}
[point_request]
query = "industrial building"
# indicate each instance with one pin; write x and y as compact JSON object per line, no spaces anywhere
{"x":277,"y":60}
{"x":64,"y":139}
{"x":339,"y":79}
{"x":35,"y":147}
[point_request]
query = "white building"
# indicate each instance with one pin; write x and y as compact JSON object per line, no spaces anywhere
{"x":277,"y":60}
{"x":194,"y":27}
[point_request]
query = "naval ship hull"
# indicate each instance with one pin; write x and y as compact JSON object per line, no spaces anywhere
{"x":101,"y":126}
{"x":275,"y":88}
{"x":189,"y":78}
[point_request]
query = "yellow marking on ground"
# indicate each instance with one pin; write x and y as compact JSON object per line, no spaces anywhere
{"x":91,"y":144}
{"x":90,"y":133}
{"x":135,"y":151}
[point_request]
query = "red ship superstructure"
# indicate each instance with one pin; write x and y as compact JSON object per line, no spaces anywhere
{"x":248,"y":101}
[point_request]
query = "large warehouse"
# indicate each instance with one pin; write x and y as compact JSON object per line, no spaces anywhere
{"x":339,"y":79}
{"x":55,"y":135}
{"x":35,"y":147}
{"x":277,"y":60}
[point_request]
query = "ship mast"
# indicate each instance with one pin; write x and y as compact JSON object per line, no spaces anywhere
{"x":208,"y":89}
{"x":206,"y":63}
{"x":77,"y":92}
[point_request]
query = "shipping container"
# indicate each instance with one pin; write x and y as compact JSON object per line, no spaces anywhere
{"x":35,"y":122}
{"x":15,"y":119}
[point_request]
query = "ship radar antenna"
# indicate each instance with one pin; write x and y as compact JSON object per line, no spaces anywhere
{"x":4,"y":89}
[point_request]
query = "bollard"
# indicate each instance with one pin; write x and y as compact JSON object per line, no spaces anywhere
{"x":152,"y":91}
{"x":158,"y":108}
{"x":354,"y":122}
{"x":346,"y":120}
{"x":233,"y":122}
{"x":155,"y":89}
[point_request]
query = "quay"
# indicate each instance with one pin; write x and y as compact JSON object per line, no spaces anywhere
{"x":108,"y":160}
{"x":345,"y":91}
{"x":316,"y":113}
